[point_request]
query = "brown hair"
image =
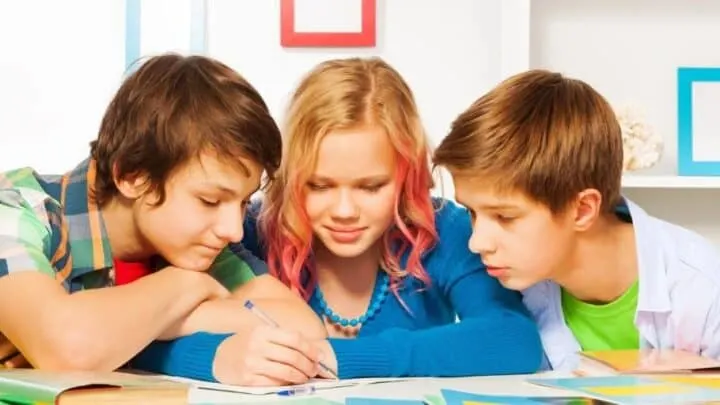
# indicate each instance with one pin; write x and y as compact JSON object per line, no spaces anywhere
{"x":171,"y":109}
{"x":542,"y":134}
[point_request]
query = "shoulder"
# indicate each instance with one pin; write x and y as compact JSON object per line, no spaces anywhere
{"x":451,"y":220}
{"x":687,"y":254}
{"x":24,"y":198}
{"x":450,"y":258}
{"x":681,"y":267}
{"x":25,"y":221}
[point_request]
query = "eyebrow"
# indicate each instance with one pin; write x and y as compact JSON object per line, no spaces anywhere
{"x":374,"y":178}
{"x":225,"y":190}
{"x":499,"y":206}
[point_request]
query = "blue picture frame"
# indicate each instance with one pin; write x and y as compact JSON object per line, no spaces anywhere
{"x":686,"y":76}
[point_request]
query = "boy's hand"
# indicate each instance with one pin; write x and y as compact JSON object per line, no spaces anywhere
{"x":206,"y":282}
{"x":266,"y":356}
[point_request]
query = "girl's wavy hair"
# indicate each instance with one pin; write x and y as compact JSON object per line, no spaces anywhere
{"x":337,"y":95}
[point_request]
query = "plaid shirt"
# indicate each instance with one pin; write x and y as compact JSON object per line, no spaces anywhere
{"x":49,"y":224}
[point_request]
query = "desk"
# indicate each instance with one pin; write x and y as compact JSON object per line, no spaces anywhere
{"x":414,"y":388}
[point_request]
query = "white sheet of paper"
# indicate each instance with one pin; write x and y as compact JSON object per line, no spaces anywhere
{"x":706,"y":121}
{"x":328,"y":15}
{"x":320,"y":385}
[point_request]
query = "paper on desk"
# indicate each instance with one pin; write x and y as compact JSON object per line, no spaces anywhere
{"x":319,"y":384}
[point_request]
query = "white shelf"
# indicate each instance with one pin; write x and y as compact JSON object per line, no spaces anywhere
{"x":670,"y":181}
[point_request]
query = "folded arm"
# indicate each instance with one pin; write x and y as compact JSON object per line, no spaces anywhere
{"x":91,"y":330}
{"x":94,"y":329}
{"x":228,"y":315}
{"x":246,"y":276}
{"x":495,"y":335}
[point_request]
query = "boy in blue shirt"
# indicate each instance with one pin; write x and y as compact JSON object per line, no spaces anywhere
{"x":538,"y":161}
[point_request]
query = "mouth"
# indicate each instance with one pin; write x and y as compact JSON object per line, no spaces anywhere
{"x":345,"y":235}
{"x":213,"y":248}
{"x":496,"y":271}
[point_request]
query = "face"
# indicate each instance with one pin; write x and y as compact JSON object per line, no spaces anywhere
{"x":520,"y":241}
{"x":202,"y":212}
{"x":350,"y":195}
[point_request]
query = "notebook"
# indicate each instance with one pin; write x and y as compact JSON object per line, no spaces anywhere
{"x":453,"y":397}
{"x":30,"y":386}
{"x":317,"y":384}
{"x":648,"y":361}
{"x":636,"y":389}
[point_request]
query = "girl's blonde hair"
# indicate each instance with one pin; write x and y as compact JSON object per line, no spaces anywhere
{"x":336,"y":95}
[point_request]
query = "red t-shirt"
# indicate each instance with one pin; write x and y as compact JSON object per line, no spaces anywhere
{"x":127,"y":272}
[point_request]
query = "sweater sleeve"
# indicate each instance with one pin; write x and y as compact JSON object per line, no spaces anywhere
{"x":495,"y":333}
{"x":191,"y":356}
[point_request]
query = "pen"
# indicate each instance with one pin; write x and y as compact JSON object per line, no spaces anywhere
{"x":265,"y":318}
{"x":291,"y":392}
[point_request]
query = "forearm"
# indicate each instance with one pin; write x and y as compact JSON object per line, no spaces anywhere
{"x":190,"y":356}
{"x":229,"y":316}
{"x":500,"y":342}
{"x":102,"y":329}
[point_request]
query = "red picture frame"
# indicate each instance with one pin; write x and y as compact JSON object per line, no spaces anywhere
{"x":290,"y":38}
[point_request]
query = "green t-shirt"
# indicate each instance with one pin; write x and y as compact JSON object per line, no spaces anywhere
{"x":603,"y":327}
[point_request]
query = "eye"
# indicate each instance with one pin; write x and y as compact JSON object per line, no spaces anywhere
{"x":317,"y":186}
{"x":503,"y":218}
{"x":372,"y":188}
{"x":209,"y":203}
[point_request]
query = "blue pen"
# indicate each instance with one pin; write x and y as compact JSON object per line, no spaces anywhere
{"x":292,"y":392}
{"x":265,"y":318}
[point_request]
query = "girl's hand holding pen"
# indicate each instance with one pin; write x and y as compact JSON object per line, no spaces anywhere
{"x":266,"y":355}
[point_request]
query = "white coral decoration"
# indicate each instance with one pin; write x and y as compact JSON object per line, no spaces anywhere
{"x":642,"y":148}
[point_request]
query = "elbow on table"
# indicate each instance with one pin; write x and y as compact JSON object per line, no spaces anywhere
{"x":73,"y":350}
{"x":525,"y":347}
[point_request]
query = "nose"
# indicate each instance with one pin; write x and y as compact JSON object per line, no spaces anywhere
{"x":482,"y":242}
{"x":229,"y":227}
{"x":345,"y":206}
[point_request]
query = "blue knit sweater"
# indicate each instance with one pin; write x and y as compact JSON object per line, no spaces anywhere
{"x":495,"y":335}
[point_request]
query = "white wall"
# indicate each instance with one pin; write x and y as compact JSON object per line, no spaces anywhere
{"x":630,"y":50}
{"x":69,"y":60}
{"x":63,"y":61}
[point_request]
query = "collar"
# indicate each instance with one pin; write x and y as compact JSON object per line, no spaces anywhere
{"x":85,"y":232}
{"x":653,"y":294}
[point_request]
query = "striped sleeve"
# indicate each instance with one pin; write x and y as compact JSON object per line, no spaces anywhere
{"x":233,"y":268}
{"x":24,"y":235}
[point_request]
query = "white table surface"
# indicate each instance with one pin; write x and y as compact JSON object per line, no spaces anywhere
{"x":415,"y":388}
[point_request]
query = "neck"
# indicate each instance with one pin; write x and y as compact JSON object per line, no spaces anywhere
{"x":353,"y":277}
{"x":126,"y":241}
{"x":604,"y":262}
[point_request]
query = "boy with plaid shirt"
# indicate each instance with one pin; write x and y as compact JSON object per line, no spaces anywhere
{"x":181,"y":148}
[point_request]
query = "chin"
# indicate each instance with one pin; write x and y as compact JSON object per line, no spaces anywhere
{"x":193,"y":263}
{"x":346,"y":250}
{"x":515,"y":283}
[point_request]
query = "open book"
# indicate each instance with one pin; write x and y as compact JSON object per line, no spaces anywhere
{"x":650,"y":361}
{"x":29,"y":386}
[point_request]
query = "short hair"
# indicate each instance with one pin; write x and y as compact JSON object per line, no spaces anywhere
{"x":172,"y":109}
{"x":540,"y":133}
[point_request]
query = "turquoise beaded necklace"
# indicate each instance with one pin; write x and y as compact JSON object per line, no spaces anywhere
{"x":382,"y":286}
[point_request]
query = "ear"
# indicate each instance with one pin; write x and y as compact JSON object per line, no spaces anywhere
{"x":587,"y":208}
{"x":131,"y":187}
